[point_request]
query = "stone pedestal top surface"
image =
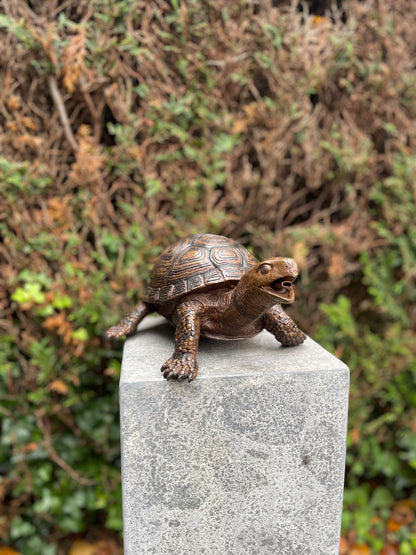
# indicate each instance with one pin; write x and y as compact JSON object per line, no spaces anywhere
{"x":145,"y":352}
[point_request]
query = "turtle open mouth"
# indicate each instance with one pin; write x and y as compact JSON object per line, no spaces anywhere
{"x":282,"y":288}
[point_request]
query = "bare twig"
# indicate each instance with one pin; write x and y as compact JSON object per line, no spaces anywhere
{"x":95,"y":114}
{"x":47,"y":440}
{"x":59,"y":103}
{"x":222,"y":63}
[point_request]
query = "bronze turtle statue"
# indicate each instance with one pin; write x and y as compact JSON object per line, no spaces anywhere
{"x":209,"y":285}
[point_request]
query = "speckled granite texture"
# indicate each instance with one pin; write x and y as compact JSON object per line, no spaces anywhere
{"x":248,"y":459}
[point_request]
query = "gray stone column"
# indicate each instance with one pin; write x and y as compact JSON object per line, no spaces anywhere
{"x":248,"y":459}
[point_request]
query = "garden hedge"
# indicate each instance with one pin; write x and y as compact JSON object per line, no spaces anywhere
{"x":127,"y":124}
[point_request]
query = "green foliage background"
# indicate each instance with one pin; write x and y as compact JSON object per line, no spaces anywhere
{"x":125,"y":125}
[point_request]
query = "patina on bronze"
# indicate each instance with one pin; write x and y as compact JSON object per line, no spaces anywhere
{"x":209,"y":285}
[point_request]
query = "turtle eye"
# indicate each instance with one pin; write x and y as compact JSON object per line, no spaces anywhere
{"x":265,"y":268}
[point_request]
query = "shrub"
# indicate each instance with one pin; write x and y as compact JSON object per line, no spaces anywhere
{"x":125,"y":125}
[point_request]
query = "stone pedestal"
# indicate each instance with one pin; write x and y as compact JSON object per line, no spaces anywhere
{"x":247,"y":459}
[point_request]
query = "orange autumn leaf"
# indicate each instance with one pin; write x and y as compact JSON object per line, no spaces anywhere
{"x":360,"y":549}
{"x":55,"y":321}
{"x":14,"y":103}
{"x":28,"y":448}
{"x":58,"y":386}
{"x":355,"y":435}
{"x":114,"y":285}
{"x":81,"y":547}
{"x":59,"y":208}
{"x":8,"y":551}
{"x":59,"y":324}
{"x":389,"y":549}
{"x":74,"y":61}
{"x":240,"y":126}
{"x":90,"y":159}
{"x":12,"y":126}
{"x":405,"y":504}
{"x":107,"y":547}
{"x":393,"y":525}
{"x":320,"y":20}
{"x":402,"y":514}
{"x":337,"y":265}
{"x":343,"y":546}
{"x":253,"y":109}
{"x":101,"y":547}
{"x":26,"y":140}
{"x":30,"y":123}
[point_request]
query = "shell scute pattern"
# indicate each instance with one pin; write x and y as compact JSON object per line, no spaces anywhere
{"x":214,"y":276}
{"x":165,"y":293}
{"x":194,"y":263}
{"x":179,"y":288}
{"x":194,"y":282}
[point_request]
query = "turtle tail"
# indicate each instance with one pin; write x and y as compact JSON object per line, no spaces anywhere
{"x":128,"y":325}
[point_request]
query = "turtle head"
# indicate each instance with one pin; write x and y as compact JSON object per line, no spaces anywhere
{"x":275,"y":277}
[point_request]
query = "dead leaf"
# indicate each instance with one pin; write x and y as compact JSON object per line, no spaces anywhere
{"x":389,"y":549}
{"x":74,"y":57}
{"x":360,"y":549}
{"x":355,"y":435}
{"x":343,"y":546}
{"x":337,"y":265}
{"x":60,"y":325}
{"x":101,"y":547}
{"x":401,"y":515}
{"x":26,"y":140}
{"x":14,"y":103}
{"x":320,"y":20}
{"x":29,"y":123}
{"x":240,"y":126}
{"x":393,"y":525}
{"x":107,"y":547}
{"x":12,"y":126}
{"x":339,"y":351}
{"x":115,"y":286}
{"x":58,"y":386}
{"x":81,"y":547}
{"x":300,"y":253}
{"x":29,"y":447}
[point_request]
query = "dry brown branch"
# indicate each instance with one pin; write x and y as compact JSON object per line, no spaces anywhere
{"x":59,"y":103}
{"x":47,"y":441}
{"x":96,"y":114}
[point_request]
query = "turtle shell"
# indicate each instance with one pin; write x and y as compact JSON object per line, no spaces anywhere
{"x":197,"y":262}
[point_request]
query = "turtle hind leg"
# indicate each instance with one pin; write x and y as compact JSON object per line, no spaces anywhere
{"x":128,"y":325}
{"x":278,"y":323}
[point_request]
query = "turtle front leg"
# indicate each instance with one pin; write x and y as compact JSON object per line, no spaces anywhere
{"x":182,"y":364}
{"x":277,"y":322}
{"x":129,"y":324}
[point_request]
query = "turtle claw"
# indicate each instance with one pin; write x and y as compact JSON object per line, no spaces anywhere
{"x":180,"y":369}
{"x":115,"y":332}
